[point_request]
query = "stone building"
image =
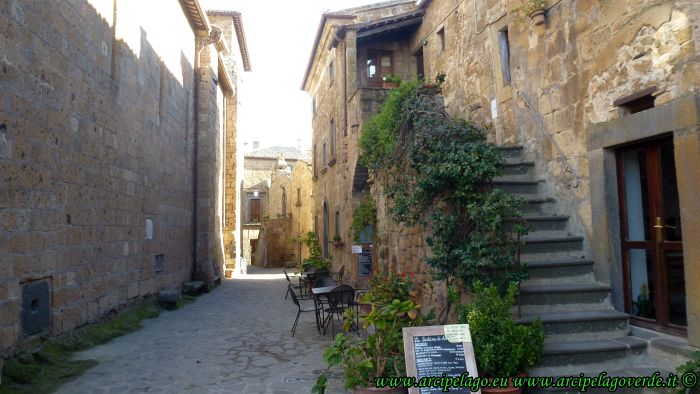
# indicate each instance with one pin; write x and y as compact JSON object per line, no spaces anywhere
{"x":115,"y":118}
{"x":260,"y":167}
{"x":288,"y":216}
{"x":597,"y":110}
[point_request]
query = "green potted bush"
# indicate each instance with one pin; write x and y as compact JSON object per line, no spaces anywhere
{"x":502,"y":346}
{"x":391,"y":82}
{"x":381,"y":353}
{"x":315,"y":258}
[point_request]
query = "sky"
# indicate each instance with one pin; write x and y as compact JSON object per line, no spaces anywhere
{"x":272,"y":107}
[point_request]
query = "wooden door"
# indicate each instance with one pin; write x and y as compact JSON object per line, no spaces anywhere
{"x":652,"y":244}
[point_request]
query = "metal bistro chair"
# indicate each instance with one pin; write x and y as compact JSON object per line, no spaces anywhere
{"x":299,"y":287}
{"x":339,"y":300}
{"x":302,"y":308}
{"x":321,"y":300}
{"x":340,"y":274}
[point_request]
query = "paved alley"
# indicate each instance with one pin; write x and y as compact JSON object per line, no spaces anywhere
{"x":235,"y":339}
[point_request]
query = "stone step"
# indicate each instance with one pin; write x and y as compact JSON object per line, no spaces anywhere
{"x":540,"y":223}
{"x":537,"y":205}
{"x":514,"y":167}
{"x":516,"y":185}
{"x":566,"y":297}
{"x":534,"y":244}
{"x":511,"y":151}
{"x":561,"y":271}
{"x":567,"y":358}
{"x":580,"y":325}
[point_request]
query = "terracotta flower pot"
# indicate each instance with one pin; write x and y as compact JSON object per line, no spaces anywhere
{"x":390,"y":85}
{"x":385,"y":390}
{"x":537,"y":17}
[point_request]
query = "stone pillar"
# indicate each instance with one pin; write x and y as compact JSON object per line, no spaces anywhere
{"x":207,"y":127}
{"x":351,"y":63}
{"x":687,"y":154}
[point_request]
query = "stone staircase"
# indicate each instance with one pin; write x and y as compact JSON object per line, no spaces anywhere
{"x":583,"y":332}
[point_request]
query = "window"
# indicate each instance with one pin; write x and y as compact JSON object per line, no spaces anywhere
{"x":379,"y":65}
{"x":298,"y":197}
{"x":637,"y":102}
{"x":254,"y":205}
{"x":441,"y":38}
{"x":331,"y":71}
{"x":332,"y":134}
{"x":504,"y":44}
{"x":420,"y":67}
{"x":337,"y":224}
{"x":324,"y":157}
{"x":284,"y":203}
{"x":314,"y":162}
{"x":313,"y":106}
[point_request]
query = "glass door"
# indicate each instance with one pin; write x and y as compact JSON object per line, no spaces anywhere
{"x":652,"y":248}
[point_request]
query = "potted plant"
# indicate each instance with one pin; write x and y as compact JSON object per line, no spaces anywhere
{"x":391,"y":82}
{"x":502,"y":346}
{"x":337,"y":241}
{"x":534,"y":9}
{"x":381,"y":353}
{"x":315,"y":258}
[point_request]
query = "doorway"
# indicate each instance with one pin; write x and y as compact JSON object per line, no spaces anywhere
{"x":326,"y":231}
{"x":652,"y":242}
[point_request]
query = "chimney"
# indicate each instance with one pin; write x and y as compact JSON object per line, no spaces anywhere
{"x":256,"y":145}
{"x":299,"y":143}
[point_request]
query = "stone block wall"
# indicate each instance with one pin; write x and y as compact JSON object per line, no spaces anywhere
{"x":96,"y":156}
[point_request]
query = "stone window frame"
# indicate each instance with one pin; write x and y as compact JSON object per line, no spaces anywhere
{"x":504,"y":58}
{"x":440,"y":33}
{"x":504,"y":91}
{"x":332,"y":142}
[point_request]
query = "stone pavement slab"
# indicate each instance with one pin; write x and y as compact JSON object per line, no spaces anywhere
{"x":235,"y":339}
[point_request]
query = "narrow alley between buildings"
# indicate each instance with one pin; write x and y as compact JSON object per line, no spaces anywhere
{"x":235,"y":339}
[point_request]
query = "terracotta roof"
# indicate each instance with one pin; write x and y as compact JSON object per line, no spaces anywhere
{"x":289,"y":153}
{"x":196,"y":16}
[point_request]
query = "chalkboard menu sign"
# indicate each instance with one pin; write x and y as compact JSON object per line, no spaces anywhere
{"x":437,"y":350}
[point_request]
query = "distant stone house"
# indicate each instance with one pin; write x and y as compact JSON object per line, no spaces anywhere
{"x":262,"y":199}
{"x":597,"y":111}
{"x":115,"y":121}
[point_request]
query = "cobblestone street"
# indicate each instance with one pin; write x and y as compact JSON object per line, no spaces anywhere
{"x":235,"y":339}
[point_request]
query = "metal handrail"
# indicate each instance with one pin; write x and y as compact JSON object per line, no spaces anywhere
{"x":564,"y":160}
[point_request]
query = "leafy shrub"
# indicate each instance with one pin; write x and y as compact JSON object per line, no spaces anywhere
{"x":502,"y":346}
{"x":365,"y":214}
{"x":315,"y":258}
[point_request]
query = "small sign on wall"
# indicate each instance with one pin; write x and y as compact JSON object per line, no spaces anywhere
{"x":356,"y":249}
{"x":432,"y":351}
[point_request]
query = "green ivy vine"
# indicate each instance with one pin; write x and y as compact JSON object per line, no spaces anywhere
{"x":365,"y":214}
{"x":438,"y":173}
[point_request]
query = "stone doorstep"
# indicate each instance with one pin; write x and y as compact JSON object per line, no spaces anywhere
{"x":665,"y":345}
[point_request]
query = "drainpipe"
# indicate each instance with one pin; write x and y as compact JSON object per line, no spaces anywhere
{"x":213,"y":37}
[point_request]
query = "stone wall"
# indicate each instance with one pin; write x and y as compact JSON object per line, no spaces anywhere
{"x":96,"y":156}
{"x":301,"y":203}
{"x":566,"y":77}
